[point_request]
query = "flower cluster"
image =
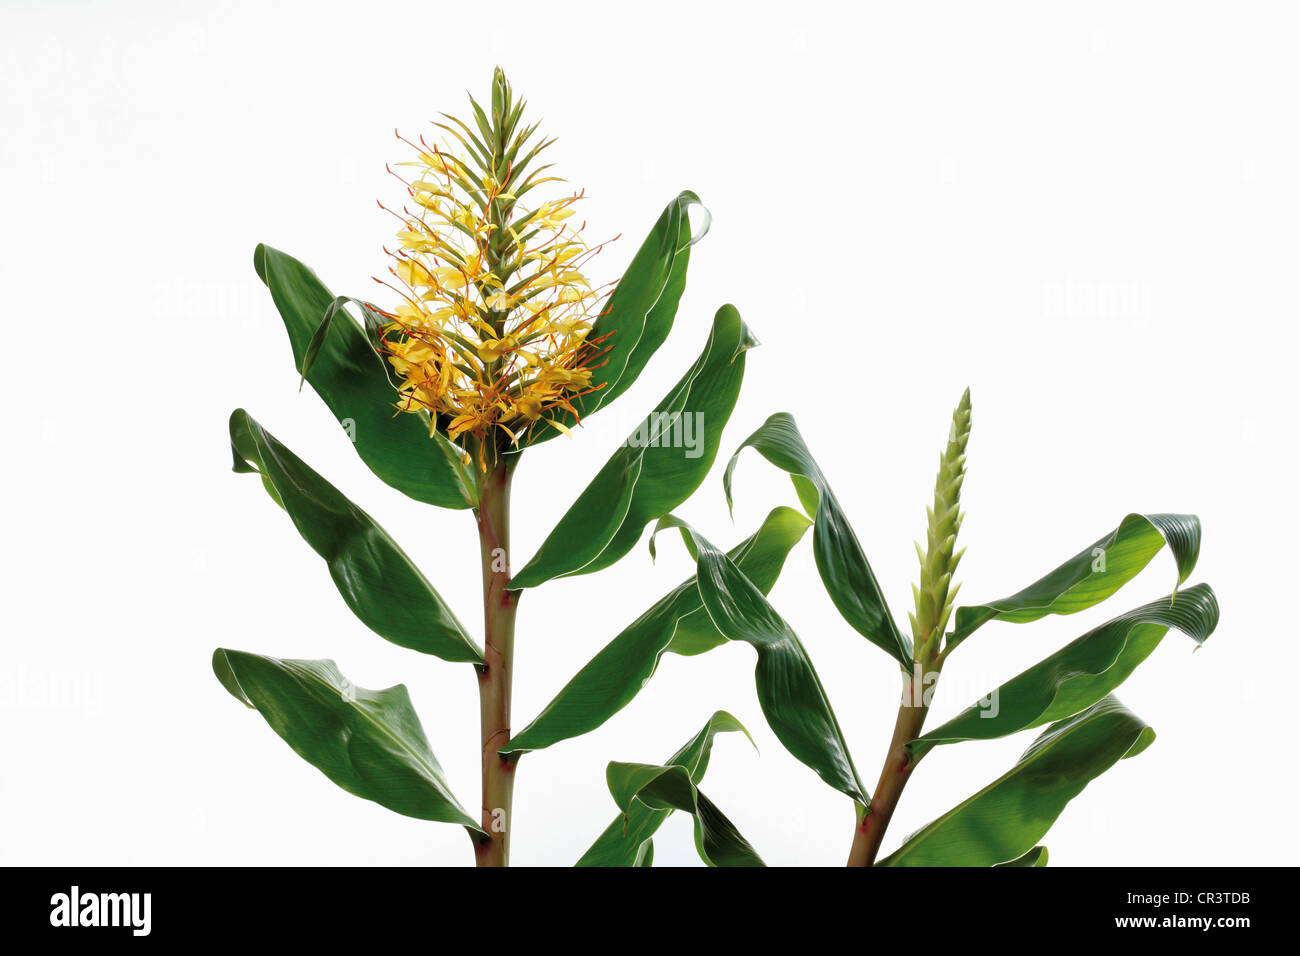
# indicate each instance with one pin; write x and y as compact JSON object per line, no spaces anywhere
{"x":491,"y":338}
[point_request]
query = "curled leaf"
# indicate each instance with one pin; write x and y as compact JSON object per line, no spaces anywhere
{"x":841,"y":562}
{"x":369,"y":742}
{"x":677,"y":623}
{"x":626,"y":841}
{"x":341,"y":363}
{"x":789,"y":690}
{"x":641,"y":309}
{"x":670,"y":787}
{"x":1094,"y":574}
{"x":1081,"y":673}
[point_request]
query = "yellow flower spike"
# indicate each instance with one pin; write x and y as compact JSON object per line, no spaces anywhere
{"x":487,"y":276}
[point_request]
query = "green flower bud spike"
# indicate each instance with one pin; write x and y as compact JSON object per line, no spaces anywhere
{"x":939,"y":560}
{"x":934,"y":597}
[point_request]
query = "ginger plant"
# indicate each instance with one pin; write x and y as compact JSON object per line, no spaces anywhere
{"x":491,"y":340}
{"x":1069,"y":692}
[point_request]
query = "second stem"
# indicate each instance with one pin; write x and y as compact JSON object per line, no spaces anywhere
{"x":894,"y":774}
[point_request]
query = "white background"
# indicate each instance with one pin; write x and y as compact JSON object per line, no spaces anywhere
{"x":1086,"y":212}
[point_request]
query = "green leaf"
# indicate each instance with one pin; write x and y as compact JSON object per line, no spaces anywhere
{"x":657,"y":467}
{"x":373,"y":324}
{"x":640,"y":311}
{"x":626,"y":840}
{"x":1094,"y":574}
{"x":671,"y":788}
{"x":1009,"y":816}
{"x":1034,"y":858}
{"x":344,"y":369}
{"x":1081,"y":673}
{"x":369,"y":742}
{"x":760,"y":561}
{"x":843,"y":566}
{"x":375,"y":577}
{"x":677,"y":623}
{"x":789,"y":691}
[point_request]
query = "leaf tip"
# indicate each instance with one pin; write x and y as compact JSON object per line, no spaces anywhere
{"x":225,"y":673}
